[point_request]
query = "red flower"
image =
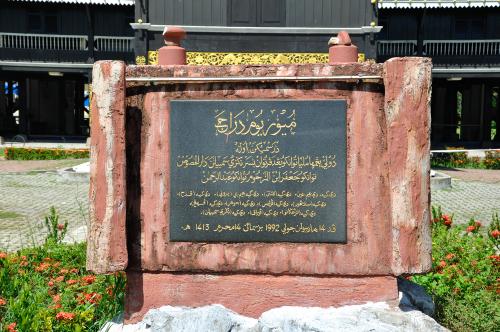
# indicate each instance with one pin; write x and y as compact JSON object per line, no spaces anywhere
{"x":71,"y":282}
{"x":442,"y":264}
{"x":42,"y":267}
{"x":446,"y":217}
{"x":478,"y":223}
{"x":447,"y":223}
{"x":50,"y":283}
{"x":60,"y":227}
{"x":495,"y":233}
{"x":12,"y":327}
{"x":88,"y":279}
{"x":91,"y":297}
{"x":65,"y":315}
{"x":2,"y":302}
{"x":3,"y":255}
{"x":470,"y":229}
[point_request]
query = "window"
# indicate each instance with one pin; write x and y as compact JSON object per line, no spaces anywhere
{"x":38,"y":22}
{"x":34,"y":22}
{"x":469,"y":28}
{"x":257,"y":13}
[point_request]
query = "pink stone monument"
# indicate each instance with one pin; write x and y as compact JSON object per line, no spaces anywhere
{"x":387,"y":124}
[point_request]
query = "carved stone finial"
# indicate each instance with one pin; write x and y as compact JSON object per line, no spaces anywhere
{"x":173,"y":35}
{"x":172,"y":53}
{"x":341,"y":49}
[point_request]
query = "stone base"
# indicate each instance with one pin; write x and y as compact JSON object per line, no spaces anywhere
{"x":250,"y":294}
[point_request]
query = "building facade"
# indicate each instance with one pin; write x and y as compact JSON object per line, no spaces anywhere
{"x":461,"y":36}
{"x":463,"y":40}
{"x":255,"y":31}
{"x":47,"y":48}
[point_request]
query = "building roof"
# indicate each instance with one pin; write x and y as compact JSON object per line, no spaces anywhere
{"x":437,"y":3}
{"x":87,"y":2}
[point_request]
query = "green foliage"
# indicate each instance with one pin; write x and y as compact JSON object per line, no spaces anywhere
{"x":464,"y":280}
{"x":44,"y":154}
{"x":455,"y":159}
{"x":461,"y":160}
{"x":47,"y":289}
{"x":492,"y":159}
{"x":56,"y":230}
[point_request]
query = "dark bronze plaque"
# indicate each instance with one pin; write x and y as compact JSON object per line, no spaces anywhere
{"x":258,"y":171}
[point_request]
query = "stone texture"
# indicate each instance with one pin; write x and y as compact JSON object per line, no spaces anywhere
{"x":415,"y":296}
{"x":107,"y":246}
{"x":249,"y":294}
{"x":215,"y":318}
{"x":407,"y":108}
{"x":369,"y":229}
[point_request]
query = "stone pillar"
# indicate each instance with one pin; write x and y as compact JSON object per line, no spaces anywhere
{"x":407,"y":110}
{"x":107,"y":245}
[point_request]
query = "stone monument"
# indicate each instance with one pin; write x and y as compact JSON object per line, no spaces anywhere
{"x":257,"y":187}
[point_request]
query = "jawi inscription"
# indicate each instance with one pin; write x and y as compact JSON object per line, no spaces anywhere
{"x":258,"y":171}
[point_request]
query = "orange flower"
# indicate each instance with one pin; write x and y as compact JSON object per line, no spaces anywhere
{"x":73,"y":270}
{"x":23,"y":263}
{"x":495,"y":233}
{"x":88,"y":279}
{"x":63,"y":271}
{"x":71,"y":282}
{"x":442,"y":264}
{"x":12,"y":327}
{"x":92,"y":297}
{"x":65,"y":315}
{"x":42,"y":267}
{"x":60,"y":227}
{"x":50,"y":283}
{"x":2,"y":302}
{"x":47,"y":259}
{"x":450,"y":256}
{"x":59,"y":279}
{"x":470,"y":229}
{"x":3,"y":255}
{"x":56,"y":298}
{"x":24,"y":258}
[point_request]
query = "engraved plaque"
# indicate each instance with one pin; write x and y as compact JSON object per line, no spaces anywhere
{"x":258,"y":170}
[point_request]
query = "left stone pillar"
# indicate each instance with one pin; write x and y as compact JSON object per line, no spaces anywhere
{"x":107,"y":242}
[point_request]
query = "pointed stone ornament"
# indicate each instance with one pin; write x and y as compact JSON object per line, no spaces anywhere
{"x":172,"y":53}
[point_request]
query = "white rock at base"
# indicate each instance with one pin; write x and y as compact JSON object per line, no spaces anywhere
{"x":216,"y":318}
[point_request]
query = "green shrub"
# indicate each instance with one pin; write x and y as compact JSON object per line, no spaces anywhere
{"x":464,"y":281}
{"x":44,"y":154}
{"x":461,"y":160}
{"x":492,"y":159}
{"x":48,"y":289}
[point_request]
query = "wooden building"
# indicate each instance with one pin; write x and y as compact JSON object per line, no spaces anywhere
{"x":255,"y":31}
{"x":461,"y":36}
{"x":463,"y":39}
{"x":47,"y":48}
